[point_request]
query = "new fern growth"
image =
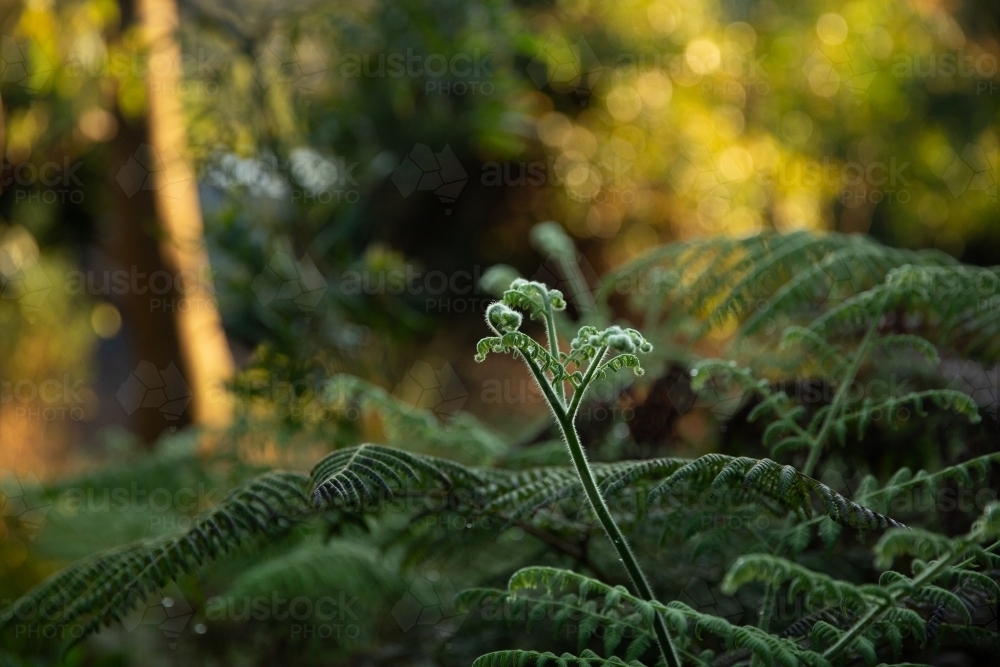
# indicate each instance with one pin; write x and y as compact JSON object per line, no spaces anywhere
{"x":553,"y":370}
{"x":913,"y":590}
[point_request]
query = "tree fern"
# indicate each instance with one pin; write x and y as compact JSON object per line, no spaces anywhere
{"x":832,"y":308}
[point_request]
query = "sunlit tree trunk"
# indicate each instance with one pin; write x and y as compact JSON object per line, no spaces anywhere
{"x":204,"y":348}
{"x":159,"y":227}
{"x":3,"y":140}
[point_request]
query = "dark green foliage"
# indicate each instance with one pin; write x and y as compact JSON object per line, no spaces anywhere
{"x":102,"y":589}
{"x":757,"y":521}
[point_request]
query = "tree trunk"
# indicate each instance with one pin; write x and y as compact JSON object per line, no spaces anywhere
{"x":159,"y":228}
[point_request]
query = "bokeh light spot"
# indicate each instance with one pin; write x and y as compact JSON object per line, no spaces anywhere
{"x":105,"y":320}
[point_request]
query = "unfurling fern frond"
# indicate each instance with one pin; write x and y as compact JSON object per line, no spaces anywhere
{"x":103,"y":589}
{"x":515,"y":341}
{"x":784,"y":485}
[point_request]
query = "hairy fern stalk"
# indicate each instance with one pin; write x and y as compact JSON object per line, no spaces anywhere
{"x":553,"y":370}
{"x":830,"y":309}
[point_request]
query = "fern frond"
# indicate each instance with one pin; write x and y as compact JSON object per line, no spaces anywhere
{"x":102,"y":589}
{"x":913,"y":542}
{"x":949,"y":298}
{"x":943,"y":598}
{"x":905,"y":481}
{"x":782,"y":484}
{"x":560,"y":595}
{"x":839,"y":266}
{"x":824,"y":634}
{"x":526,"y":492}
{"x":945,"y":399}
{"x":348,"y":477}
{"x":768,"y":275}
{"x":918,"y":344}
{"x":828,"y":357}
{"x":520,"y":343}
{"x":818,"y":589}
{"x":523,"y":658}
{"x":768,"y":648}
{"x":546,"y":586}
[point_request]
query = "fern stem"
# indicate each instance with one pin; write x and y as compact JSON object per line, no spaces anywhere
{"x":553,"y":339}
{"x":838,"y":399}
{"x":588,"y":377}
{"x":565,"y":419}
{"x":878,"y":610}
{"x":767,"y":607}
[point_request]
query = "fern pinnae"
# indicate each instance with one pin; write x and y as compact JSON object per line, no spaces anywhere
{"x":736,"y":297}
{"x":948,"y":551}
{"x":343,"y":477}
{"x":102,"y":589}
{"x":631,"y":472}
{"x":783,"y":484}
{"x":877,"y":259}
{"x":523,"y":658}
{"x":819,"y":589}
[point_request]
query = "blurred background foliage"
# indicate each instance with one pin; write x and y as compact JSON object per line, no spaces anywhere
{"x":632,"y":123}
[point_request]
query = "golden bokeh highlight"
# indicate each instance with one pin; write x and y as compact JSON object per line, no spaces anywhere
{"x":106,"y":320}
